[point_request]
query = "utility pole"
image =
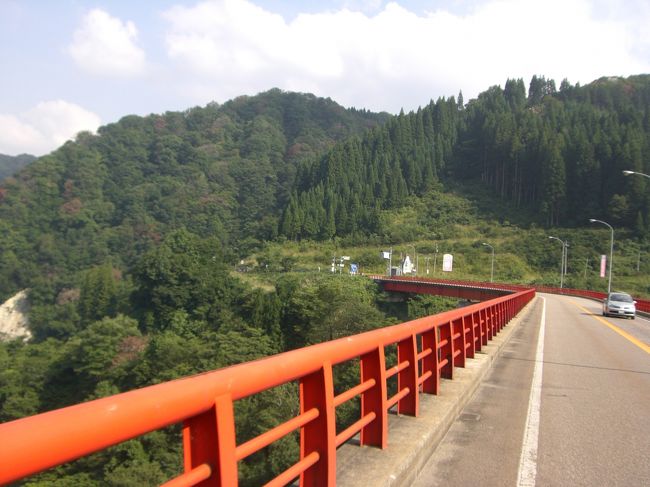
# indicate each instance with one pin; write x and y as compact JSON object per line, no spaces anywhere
{"x":435,"y":260}
{"x":611,"y":251}
{"x":566,"y":257}
{"x":563,"y":261}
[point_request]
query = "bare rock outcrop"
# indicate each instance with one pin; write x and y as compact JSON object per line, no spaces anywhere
{"x":13,"y":318}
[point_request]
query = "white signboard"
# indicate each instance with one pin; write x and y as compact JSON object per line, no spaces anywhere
{"x":603,"y":264}
{"x":447,"y":262}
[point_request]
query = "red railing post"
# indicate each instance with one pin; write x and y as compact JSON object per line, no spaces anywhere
{"x":470,"y":337}
{"x":373,"y":367}
{"x":319,"y":435}
{"x":446,"y":351}
{"x":489,"y":319}
{"x":430,"y":362}
{"x":407,"y":352}
{"x":499,"y":317}
{"x":458,"y":335}
{"x":209,"y":438}
{"x":485,"y":327}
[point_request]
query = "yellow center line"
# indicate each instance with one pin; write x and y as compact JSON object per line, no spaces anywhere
{"x":624,"y":334}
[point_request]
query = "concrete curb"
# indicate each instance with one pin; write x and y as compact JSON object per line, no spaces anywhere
{"x":412,"y":441}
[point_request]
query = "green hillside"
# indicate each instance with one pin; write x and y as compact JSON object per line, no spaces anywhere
{"x":219,"y":171}
{"x":173,"y":244}
{"x":556,"y":156}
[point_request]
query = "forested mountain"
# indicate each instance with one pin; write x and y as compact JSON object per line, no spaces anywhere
{"x":10,"y":165}
{"x":127,"y":239}
{"x":557,"y":153}
{"x":222,"y":171}
{"x":305,"y":168}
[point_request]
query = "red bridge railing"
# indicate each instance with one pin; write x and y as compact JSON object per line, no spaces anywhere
{"x":428,"y":349}
{"x":641,"y":304}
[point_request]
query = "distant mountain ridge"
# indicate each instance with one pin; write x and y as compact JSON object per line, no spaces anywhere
{"x":301,"y":167}
{"x":559,"y":154}
{"x":10,"y":165}
{"x":221,"y":170}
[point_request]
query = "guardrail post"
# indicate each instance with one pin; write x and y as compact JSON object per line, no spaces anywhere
{"x":319,"y":435}
{"x":499,"y":311}
{"x":373,"y":366}
{"x":489,"y":319}
{"x":470,"y":334}
{"x":483,"y":313}
{"x":210,"y":438}
{"x":430,"y":362}
{"x":407,"y":351}
{"x":446,"y":351}
{"x":478,"y":333}
{"x":458,"y":331}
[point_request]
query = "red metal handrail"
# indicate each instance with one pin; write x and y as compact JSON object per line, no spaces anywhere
{"x":204,"y":403}
{"x":641,"y":304}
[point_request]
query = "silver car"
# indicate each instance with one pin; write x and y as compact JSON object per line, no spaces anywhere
{"x":619,"y":304}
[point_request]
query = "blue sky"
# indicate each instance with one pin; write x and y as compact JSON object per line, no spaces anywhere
{"x":73,"y":65}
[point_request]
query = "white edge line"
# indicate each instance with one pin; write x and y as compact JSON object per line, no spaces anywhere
{"x":528,"y":460}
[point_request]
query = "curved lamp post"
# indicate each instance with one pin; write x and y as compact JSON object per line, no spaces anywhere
{"x":627,"y":173}
{"x":492,"y":270}
{"x":562,"y":264}
{"x":611,"y":251}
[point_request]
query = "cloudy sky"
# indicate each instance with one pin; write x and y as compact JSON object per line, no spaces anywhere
{"x":74,"y":65}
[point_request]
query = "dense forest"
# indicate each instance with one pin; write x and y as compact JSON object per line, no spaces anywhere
{"x":220,"y":171}
{"x":559,"y":154}
{"x":134,"y":242}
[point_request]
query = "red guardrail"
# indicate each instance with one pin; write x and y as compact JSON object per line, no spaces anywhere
{"x":641,"y":304}
{"x":428,"y":349}
{"x":452,"y":282}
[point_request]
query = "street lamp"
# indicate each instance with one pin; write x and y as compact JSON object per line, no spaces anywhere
{"x":627,"y":173}
{"x":611,"y":251}
{"x":492,"y":270}
{"x":563,"y":262}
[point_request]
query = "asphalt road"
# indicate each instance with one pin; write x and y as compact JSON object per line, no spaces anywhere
{"x":586,"y":423}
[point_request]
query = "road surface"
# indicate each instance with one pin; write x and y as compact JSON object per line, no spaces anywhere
{"x":571,"y":409}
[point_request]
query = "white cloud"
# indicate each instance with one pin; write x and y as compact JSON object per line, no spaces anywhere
{"x":104,"y":45}
{"x":395,"y":58}
{"x":44,"y":127}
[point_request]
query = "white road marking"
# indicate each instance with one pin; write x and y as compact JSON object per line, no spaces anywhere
{"x":528,"y":460}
